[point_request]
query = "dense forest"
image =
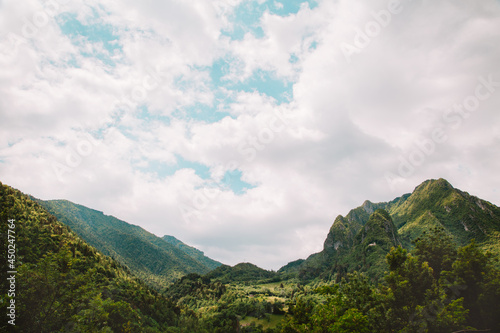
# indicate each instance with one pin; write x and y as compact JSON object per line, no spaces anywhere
{"x":65,"y":285}
{"x":437,"y":288}
{"x":370,"y":277}
{"x":156,"y":261}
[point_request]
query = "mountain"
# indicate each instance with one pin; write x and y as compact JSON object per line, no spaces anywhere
{"x":361,"y":239}
{"x":55,"y":282}
{"x":437,"y":203}
{"x":291,"y":267}
{"x":243,"y":272}
{"x":60,"y":283}
{"x":154,"y":260}
{"x":192,"y":252}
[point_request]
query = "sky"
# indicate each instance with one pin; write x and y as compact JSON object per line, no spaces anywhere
{"x":245,"y":127}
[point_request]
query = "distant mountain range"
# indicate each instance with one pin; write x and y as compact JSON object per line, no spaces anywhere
{"x":69,"y":285}
{"x":361,"y":239}
{"x":157,"y":261}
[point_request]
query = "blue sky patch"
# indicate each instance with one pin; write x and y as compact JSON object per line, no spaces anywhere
{"x":96,"y":32}
{"x":246,"y":17}
{"x":200,"y":169}
{"x":293,"y":59}
{"x":264,"y":82}
{"x":313,"y":46}
{"x":146,"y":115}
{"x":220,"y":68}
{"x":73,"y":62}
{"x":162,"y":169}
{"x":267,"y":83}
{"x":232,"y":180}
{"x":200,"y":112}
{"x":288,"y":7}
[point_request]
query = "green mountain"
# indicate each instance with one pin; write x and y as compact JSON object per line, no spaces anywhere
{"x":243,"y":272}
{"x":360,"y":240}
{"x":63,"y":284}
{"x":192,"y":252}
{"x":149,"y":257}
{"x":59,"y":283}
{"x":292,"y":267}
{"x":437,"y":203}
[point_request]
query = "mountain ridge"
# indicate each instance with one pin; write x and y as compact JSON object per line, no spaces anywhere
{"x":192,"y":252}
{"x":94,"y":292}
{"x":150,"y":257}
{"x":434,"y":203}
{"x":61,"y":283}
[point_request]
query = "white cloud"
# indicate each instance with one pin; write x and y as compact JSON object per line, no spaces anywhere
{"x":320,"y":155}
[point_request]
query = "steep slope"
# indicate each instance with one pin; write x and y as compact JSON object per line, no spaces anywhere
{"x":149,"y":257}
{"x":438,"y":203}
{"x":63,"y":284}
{"x":359,"y":247}
{"x":372,"y":243}
{"x":344,"y":229}
{"x":192,"y":252}
{"x":434,"y":203}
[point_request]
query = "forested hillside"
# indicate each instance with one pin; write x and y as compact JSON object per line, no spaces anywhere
{"x":154,"y":260}
{"x":360,"y":240}
{"x":63,"y":284}
{"x":368,"y":278}
{"x":437,"y":288}
{"x":243,"y":272}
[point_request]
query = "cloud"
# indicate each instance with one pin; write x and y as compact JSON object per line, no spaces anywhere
{"x":141,"y":109}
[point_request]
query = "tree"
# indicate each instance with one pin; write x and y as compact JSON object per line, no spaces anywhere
{"x":410,"y":282}
{"x":474,"y":278}
{"x":346,"y":308}
{"x":436,"y":247}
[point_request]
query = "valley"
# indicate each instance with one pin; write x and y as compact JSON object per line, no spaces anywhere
{"x":425,"y":261}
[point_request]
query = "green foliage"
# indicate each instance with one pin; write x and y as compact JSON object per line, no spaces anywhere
{"x":63,"y":284}
{"x":436,"y":247}
{"x":489,"y":299}
{"x":366,"y":248}
{"x":410,"y":284}
{"x":365,"y":280}
{"x":435,"y":203}
{"x":222,"y":307}
{"x":354,"y":306}
{"x":243,"y":272}
{"x":411,"y":297}
{"x":360,"y":240}
{"x":193,"y":288}
{"x":474,"y":278}
{"x":291,"y":269}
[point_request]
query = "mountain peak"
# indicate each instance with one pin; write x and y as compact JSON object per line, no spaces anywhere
{"x":368,"y":206}
{"x":434,"y":184}
{"x":361,"y":239}
{"x":381,"y":228}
